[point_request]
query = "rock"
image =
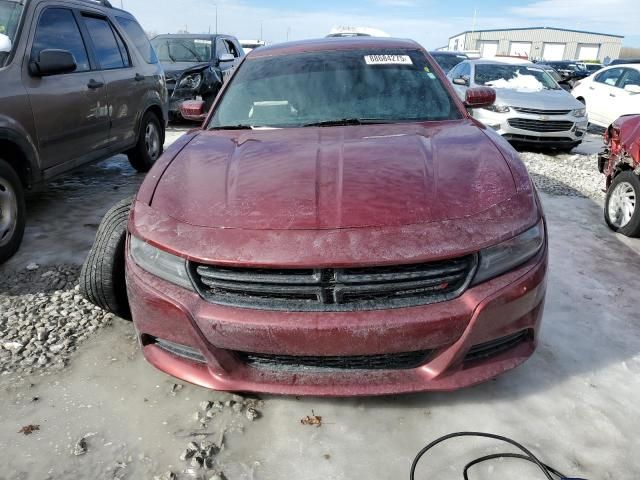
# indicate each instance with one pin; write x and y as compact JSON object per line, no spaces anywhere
{"x":176,"y":387}
{"x":197,"y":461}
{"x":237,"y":407}
{"x":32,"y":267}
{"x":206,"y":405}
{"x":80,"y":448}
{"x":13,"y":347}
{"x":166,"y":476}
{"x":252,"y":414}
{"x":187,"y":454}
{"x":218,"y":476}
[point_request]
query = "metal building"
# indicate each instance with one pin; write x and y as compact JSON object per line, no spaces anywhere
{"x":539,"y":43}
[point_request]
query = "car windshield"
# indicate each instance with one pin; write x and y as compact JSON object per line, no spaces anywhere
{"x":10,"y":12}
{"x":447,"y":62}
{"x":518,"y":77}
{"x":176,"y":49}
{"x":334,"y":88}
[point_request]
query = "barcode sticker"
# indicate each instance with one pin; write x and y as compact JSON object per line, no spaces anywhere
{"x":388,"y":60}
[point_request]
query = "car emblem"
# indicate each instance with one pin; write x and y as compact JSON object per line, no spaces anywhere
{"x":544,"y":118}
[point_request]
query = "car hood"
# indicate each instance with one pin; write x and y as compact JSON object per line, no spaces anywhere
{"x":335,"y":177}
{"x":175,"y":70}
{"x":542,"y":100}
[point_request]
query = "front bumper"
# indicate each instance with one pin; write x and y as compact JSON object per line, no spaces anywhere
{"x":508,"y":305}
{"x":500,"y":122}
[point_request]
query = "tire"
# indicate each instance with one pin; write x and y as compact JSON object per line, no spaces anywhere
{"x":621,"y":210}
{"x":13,"y":211}
{"x":149,"y":146}
{"x":102,"y":278}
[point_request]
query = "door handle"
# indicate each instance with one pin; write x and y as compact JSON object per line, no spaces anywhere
{"x":139,"y":78}
{"x":612,"y":94}
{"x":592,"y":88}
{"x":93,"y":85}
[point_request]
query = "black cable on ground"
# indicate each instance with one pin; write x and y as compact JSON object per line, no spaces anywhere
{"x":548,"y":471}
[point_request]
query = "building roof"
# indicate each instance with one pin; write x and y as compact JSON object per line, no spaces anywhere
{"x":536,"y":28}
{"x":333,"y":43}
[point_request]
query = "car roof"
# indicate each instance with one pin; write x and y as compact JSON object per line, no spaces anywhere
{"x":192,"y":35}
{"x":448,"y":52}
{"x":332,"y":44}
{"x":506,"y":61}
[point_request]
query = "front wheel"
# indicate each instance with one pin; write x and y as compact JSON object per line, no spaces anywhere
{"x":13,"y":211}
{"x":620,"y":208}
{"x":149,"y":146}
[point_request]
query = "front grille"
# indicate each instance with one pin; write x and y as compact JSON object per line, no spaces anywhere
{"x":540,"y":125}
{"x":535,"y":111}
{"x":334,"y":289}
{"x":391,"y":361}
{"x":495,"y":347}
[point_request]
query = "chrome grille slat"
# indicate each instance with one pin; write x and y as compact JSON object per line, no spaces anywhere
{"x":535,"y":111}
{"x":334,"y":289}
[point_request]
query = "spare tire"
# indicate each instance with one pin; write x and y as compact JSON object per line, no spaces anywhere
{"x":102,"y":279}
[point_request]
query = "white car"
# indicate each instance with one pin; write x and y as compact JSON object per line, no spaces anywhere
{"x":530,"y":108}
{"x":610,"y":93}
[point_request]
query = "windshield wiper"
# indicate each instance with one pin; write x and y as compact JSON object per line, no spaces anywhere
{"x":233,"y":127}
{"x":347,"y":121}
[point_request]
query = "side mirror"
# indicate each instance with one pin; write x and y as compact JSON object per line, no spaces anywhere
{"x":464,"y":81}
{"x":480,"y":97}
{"x":226,"y":57}
{"x":53,"y":62}
{"x":5,"y":43}
{"x":632,"y":88}
{"x":193,"y":110}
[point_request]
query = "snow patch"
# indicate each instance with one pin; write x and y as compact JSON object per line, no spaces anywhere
{"x":521,"y":83}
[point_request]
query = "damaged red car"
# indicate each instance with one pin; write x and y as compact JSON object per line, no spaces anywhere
{"x":620,"y":163}
{"x":339,"y":226}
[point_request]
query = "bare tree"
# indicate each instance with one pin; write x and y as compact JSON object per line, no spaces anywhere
{"x":630,"y":52}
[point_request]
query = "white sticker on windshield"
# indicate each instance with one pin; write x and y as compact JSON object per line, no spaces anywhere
{"x":388,"y":60}
{"x":204,"y":42}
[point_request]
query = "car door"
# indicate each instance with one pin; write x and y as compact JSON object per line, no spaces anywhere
{"x":69,"y":110}
{"x":624,"y":101}
{"x":600,"y":95}
{"x":224,"y":47}
{"x":124,"y":86}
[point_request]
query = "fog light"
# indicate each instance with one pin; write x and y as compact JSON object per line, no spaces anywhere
{"x":180,"y":350}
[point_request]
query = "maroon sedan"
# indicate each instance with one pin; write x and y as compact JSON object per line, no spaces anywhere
{"x":340,"y":225}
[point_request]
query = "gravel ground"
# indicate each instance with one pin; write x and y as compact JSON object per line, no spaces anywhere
{"x":43,"y":318}
{"x":575,"y":174}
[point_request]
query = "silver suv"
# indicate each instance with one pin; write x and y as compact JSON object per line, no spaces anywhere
{"x":80,"y":83}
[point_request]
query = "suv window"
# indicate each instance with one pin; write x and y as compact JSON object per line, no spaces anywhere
{"x":629,"y":77}
{"x":231,"y":48}
{"x":609,"y":77}
{"x":221,"y":48}
{"x":58,"y":29}
{"x":108,"y":50}
{"x":139,"y":39}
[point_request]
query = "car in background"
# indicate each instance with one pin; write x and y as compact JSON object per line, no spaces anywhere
{"x":620,"y":163}
{"x":80,"y":82}
{"x":340,"y":225}
{"x":592,"y":67}
{"x":570,"y":71}
{"x":196,"y":66}
{"x":623,"y":61}
{"x":530,"y":109}
{"x":346,"y":31}
{"x":555,"y":75}
{"x":448,"y":60}
{"x":249,"y":45}
{"x":610,"y":93}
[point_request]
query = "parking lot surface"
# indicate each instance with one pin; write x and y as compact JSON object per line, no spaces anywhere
{"x":574,"y":403}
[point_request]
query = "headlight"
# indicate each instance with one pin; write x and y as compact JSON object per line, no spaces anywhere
{"x":498,"y":108}
{"x":191,"y":81}
{"x":581,"y":112}
{"x":159,"y":263}
{"x":508,"y":255}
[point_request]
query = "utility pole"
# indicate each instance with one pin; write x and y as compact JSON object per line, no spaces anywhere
{"x":216,"y":18}
{"x":475,"y":17}
{"x":261,"y":29}
{"x":288,"y":33}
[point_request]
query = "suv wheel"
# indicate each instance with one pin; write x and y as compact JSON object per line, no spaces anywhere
{"x":621,"y":209}
{"x":149,"y":146}
{"x":12,"y":211}
{"x":102,"y":279}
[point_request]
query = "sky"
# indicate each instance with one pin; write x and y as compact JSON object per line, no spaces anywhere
{"x":430,"y":22}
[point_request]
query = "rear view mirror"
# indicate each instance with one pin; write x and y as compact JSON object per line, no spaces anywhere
{"x":5,"y":43}
{"x":226,"y":57}
{"x":480,"y":97}
{"x":632,"y":88}
{"x":461,"y":81}
{"x":53,"y":62}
